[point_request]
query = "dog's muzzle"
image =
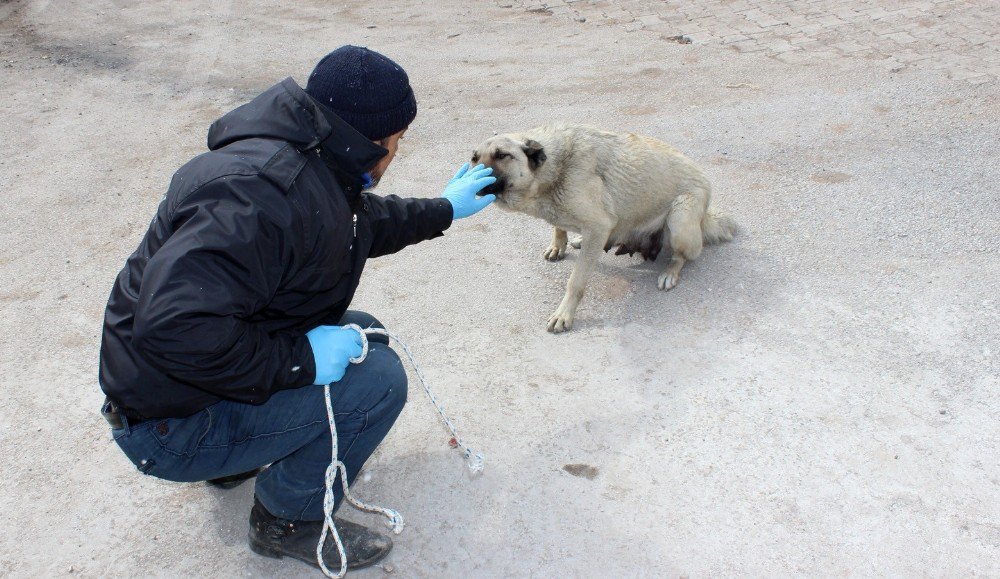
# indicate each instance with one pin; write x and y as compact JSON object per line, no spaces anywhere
{"x":495,"y":188}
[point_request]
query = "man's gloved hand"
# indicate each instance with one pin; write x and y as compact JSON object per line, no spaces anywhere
{"x":464,"y":186}
{"x":333,"y":347}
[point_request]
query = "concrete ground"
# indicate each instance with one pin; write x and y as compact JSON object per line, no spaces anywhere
{"x":818,"y":397}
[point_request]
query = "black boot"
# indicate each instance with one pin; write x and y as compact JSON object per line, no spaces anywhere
{"x":274,"y":537}
{"x":233,"y":481}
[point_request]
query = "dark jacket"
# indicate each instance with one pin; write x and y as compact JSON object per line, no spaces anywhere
{"x":254,"y":244}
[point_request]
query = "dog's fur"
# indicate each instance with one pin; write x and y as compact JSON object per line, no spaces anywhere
{"x":624,"y":190}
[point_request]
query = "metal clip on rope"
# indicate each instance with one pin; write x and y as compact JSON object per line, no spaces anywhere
{"x":395,"y":520}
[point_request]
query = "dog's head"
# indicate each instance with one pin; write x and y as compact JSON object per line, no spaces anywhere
{"x":515,"y":162}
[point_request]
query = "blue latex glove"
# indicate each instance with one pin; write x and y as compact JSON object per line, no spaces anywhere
{"x":463,"y":187}
{"x":333,"y":347}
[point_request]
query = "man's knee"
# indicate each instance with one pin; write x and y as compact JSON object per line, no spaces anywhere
{"x":387,"y":375}
{"x":365,"y":320}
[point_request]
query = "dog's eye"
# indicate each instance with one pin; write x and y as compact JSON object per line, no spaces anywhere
{"x":501,"y":155}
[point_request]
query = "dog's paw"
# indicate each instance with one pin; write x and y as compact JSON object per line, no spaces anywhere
{"x":576,"y":242}
{"x":668,"y":280}
{"x":554,"y":253}
{"x":560,"y":322}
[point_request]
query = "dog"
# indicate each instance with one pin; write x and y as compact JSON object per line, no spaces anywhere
{"x":628,"y":191}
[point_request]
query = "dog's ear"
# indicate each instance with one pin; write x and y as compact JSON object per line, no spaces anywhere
{"x":535,"y":153}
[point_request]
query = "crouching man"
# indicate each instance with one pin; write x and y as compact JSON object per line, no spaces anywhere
{"x":227,"y":320}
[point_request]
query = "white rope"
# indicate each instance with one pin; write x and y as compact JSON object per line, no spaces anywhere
{"x":395,"y":520}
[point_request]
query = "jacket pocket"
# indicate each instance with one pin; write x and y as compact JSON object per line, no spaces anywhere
{"x":181,"y":436}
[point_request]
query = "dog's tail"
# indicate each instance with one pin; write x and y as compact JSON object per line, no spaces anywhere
{"x":717,"y":227}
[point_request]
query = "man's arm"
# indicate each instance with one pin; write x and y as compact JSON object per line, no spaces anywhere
{"x":398,"y":222}
{"x":222,"y":264}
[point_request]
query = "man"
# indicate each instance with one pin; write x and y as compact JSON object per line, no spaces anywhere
{"x":227,"y":320}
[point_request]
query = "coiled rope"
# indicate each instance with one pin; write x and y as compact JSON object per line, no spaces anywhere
{"x":395,"y":520}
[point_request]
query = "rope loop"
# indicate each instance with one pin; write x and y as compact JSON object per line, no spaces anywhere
{"x":476,"y":462}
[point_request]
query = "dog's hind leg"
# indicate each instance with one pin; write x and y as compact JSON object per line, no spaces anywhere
{"x":591,"y":248}
{"x":685,"y":238}
{"x":557,"y":250}
{"x":576,"y":242}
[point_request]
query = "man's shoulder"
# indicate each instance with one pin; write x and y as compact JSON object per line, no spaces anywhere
{"x":274,"y":161}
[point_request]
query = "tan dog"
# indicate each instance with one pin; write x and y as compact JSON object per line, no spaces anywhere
{"x":624,"y":190}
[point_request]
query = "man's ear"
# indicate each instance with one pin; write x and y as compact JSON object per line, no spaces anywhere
{"x":535,"y":153}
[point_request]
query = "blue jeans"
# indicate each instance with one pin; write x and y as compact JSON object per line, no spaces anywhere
{"x":290,"y":432}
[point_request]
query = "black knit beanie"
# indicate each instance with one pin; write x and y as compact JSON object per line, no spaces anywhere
{"x":366,"y":89}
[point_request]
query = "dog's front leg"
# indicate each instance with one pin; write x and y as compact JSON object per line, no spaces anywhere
{"x":557,"y":250}
{"x":591,"y":248}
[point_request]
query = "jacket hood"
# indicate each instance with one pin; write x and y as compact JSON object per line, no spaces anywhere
{"x":285,"y":112}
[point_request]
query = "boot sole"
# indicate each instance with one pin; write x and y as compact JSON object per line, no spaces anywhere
{"x":268,"y":551}
{"x":231,"y":482}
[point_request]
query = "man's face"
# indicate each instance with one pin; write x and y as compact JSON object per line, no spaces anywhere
{"x":390,"y":143}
